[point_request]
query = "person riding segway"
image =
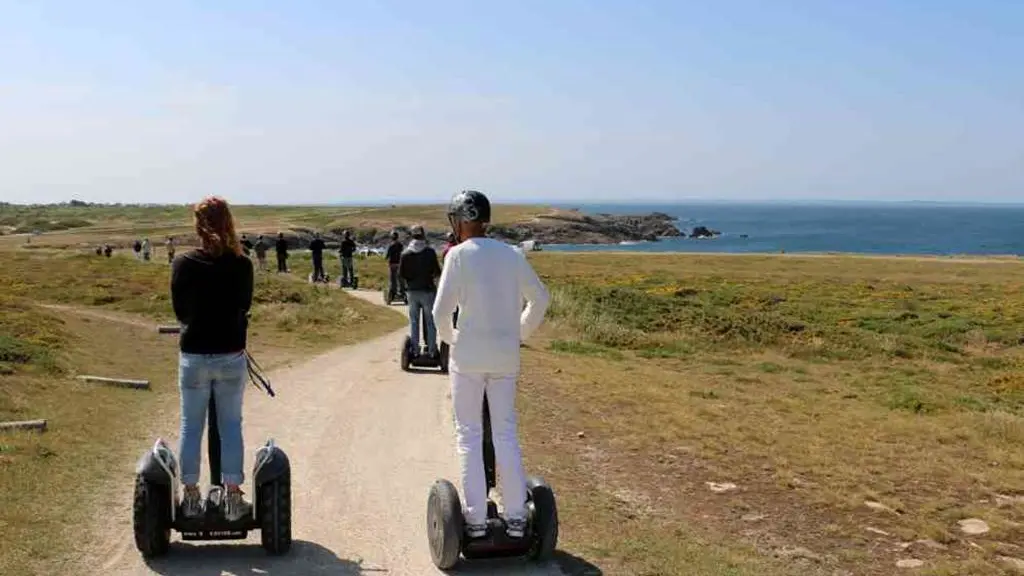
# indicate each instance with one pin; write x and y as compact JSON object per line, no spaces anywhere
{"x":316,"y":249}
{"x":211,"y":293}
{"x":396,"y":286}
{"x":487,"y":281}
{"x":419,"y":270}
{"x":347,"y":252}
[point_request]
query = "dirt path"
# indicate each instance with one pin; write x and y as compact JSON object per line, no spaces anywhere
{"x":366,"y":442}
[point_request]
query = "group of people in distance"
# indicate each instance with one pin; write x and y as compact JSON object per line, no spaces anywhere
{"x":485,"y":280}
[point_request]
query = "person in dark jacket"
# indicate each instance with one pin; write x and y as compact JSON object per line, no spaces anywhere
{"x":281,"y":246}
{"x":316,"y":248}
{"x":346,"y":252}
{"x":395,"y":283}
{"x":211,"y":292}
{"x":419,"y":268}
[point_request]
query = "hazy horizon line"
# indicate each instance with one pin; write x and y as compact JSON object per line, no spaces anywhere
{"x":572,"y":202}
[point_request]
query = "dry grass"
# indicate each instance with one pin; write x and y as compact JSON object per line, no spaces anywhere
{"x":106,"y":326}
{"x":814,"y":384}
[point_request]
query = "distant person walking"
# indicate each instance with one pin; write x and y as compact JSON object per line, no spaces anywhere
{"x":316,"y":249}
{"x":147,"y":249}
{"x":261,"y":252}
{"x":346,"y":252}
{"x":137,"y":248}
{"x":281,"y":246}
{"x":170,"y":249}
{"x":107,"y":250}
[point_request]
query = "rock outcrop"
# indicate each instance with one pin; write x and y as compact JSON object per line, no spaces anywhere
{"x":556,"y":227}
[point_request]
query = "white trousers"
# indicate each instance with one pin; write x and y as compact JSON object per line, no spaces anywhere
{"x":468,"y":398}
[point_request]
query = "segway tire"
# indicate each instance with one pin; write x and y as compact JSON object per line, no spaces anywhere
{"x":445,"y":351}
{"x":545,"y":519}
{"x":444,"y":524}
{"x":406,"y":353}
{"x":387,"y":296}
{"x":151,"y":517}
{"x":275,"y":515}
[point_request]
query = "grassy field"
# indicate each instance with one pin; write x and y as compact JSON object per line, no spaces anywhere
{"x":815,"y":385}
{"x":64,"y":313}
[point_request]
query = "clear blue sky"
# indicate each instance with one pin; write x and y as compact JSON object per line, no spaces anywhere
{"x":613,"y":100}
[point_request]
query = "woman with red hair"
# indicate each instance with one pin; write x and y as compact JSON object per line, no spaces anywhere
{"x":211,"y":289}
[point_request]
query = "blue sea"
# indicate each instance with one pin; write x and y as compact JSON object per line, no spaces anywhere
{"x":869,"y":228}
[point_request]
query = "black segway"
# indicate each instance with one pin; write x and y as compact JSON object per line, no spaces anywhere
{"x":353,"y":283}
{"x":155,"y":511}
{"x":446,"y":524}
{"x":398,"y":295}
{"x":421,"y":358}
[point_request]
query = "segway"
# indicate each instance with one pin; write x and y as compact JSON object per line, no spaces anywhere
{"x":421,"y":358}
{"x":353,"y":284}
{"x":446,"y":525}
{"x":399,"y":295}
{"x":155,"y":512}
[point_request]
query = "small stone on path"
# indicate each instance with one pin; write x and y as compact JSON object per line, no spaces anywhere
{"x":876,"y":530}
{"x":798,"y":552}
{"x":973,"y":526}
{"x":752,"y":517}
{"x":878,"y":506}
{"x":909,"y":563}
{"x":721,"y":487}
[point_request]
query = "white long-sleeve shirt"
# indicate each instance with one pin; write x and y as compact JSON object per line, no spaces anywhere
{"x":488,"y":281}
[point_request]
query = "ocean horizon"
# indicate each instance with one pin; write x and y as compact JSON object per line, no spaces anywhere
{"x":889,"y":228}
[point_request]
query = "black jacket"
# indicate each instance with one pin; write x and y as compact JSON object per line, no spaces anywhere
{"x":394,"y":252}
{"x":281,"y":246}
{"x":317,"y":248}
{"x":348,"y":248}
{"x":419,"y":268}
{"x":211,"y":298}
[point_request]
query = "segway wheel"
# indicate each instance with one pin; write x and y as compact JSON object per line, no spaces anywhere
{"x":151,"y":517}
{"x":406,"y":353}
{"x":545,"y":519}
{"x":355,"y":283}
{"x":275,"y":515}
{"x":444,"y":524}
{"x":444,"y":357}
{"x":387,"y":296}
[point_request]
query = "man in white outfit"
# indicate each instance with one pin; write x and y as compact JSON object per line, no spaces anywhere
{"x":488,"y":282}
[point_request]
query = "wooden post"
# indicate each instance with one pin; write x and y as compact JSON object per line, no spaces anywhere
{"x":37,"y":425}
{"x":126,"y":383}
{"x":169,"y":329}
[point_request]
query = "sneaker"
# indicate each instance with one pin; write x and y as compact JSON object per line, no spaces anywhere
{"x":515,"y":527}
{"x":192,"y":503}
{"x":476,"y":530}
{"x":235,"y":506}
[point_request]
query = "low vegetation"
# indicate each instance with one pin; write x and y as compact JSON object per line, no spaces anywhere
{"x":813,"y":384}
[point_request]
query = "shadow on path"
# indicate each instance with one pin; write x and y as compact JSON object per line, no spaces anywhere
{"x":304,"y":558}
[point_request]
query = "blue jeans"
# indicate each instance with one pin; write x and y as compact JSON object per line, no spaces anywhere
{"x":222,"y":375}
{"x":422,"y":301}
